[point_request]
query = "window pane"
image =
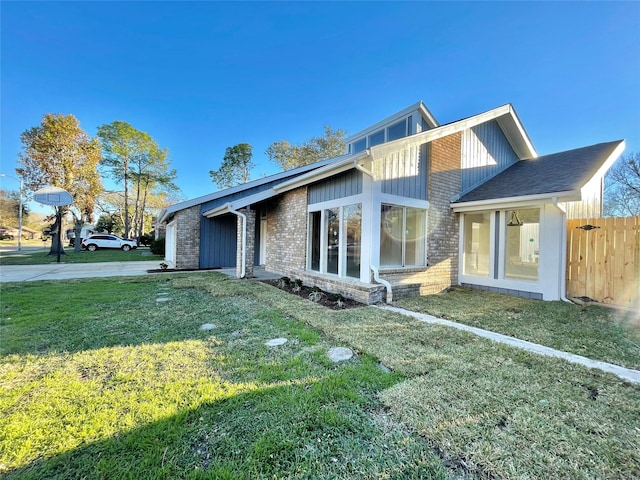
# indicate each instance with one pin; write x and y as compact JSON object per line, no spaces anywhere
{"x":476,"y":244}
{"x":333,"y":239}
{"x":353,"y":226}
{"x":414,"y":251}
{"x":397,"y":130}
{"x":360,"y":145}
{"x":376,"y":138}
{"x":522,"y":244}
{"x":391,"y":236}
{"x":314,"y":239}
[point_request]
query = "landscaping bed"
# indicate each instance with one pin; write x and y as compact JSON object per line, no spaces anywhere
{"x":334,"y":301}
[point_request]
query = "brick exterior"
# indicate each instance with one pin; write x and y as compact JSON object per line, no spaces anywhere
{"x":188,"y":238}
{"x":287,"y":233}
{"x":251,"y":241}
{"x":443,"y":224}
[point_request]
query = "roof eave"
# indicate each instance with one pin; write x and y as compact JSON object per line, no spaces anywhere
{"x":320,"y":174}
{"x":519,"y":201}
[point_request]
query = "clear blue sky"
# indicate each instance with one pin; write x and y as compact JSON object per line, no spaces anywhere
{"x":202,"y":76}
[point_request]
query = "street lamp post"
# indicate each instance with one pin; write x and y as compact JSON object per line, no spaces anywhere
{"x":19,"y":209}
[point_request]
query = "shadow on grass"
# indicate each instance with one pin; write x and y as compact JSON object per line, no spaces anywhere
{"x":311,"y":429}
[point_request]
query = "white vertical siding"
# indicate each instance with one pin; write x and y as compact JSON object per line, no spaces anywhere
{"x":485,"y":153}
{"x":404,"y":172}
{"x":591,"y":204}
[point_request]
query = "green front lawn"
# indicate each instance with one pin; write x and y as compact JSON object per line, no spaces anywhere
{"x":596,"y":332}
{"x":111,"y":383}
{"x":103,"y":255}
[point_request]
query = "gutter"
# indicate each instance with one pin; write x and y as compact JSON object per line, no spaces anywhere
{"x":374,"y":268}
{"x":244,"y":238}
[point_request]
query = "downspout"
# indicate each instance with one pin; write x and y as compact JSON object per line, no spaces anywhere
{"x":243,"y":265}
{"x":563,"y":252}
{"x":374,"y":269}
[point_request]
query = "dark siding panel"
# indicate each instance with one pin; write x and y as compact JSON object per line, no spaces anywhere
{"x":218,"y":242}
{"x":340,"y":186}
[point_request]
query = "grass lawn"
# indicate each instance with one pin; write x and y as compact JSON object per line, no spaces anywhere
{"x":111,"y":383}
{"x":104,"y":255}
{"x":595,"y":332}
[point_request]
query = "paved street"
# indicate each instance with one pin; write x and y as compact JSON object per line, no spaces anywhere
{"x":63,"y":271}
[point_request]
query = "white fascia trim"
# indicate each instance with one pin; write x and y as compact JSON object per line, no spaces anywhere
{"x":507,"y":118}
{"x":320,"y":173}
{"x":245,"y":186}
{"x":239,"y":203}
{"x":419,"y":106}
{"x":609,"y":161}
{"x":510,"y":202}
{"x":338,"y":202}
{"x":389,"y":199}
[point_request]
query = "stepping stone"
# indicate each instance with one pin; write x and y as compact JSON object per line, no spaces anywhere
{"x":275,"y":342}
{"x":339,"y":354}
{"x":384,"y":368}
{"x":162,"y":299}
{"x":207,"y":326}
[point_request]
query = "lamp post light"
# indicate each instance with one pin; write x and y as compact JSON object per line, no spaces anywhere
{"x":19,"y":209}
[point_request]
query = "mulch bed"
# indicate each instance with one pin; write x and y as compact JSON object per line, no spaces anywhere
{"x":332,"y":301}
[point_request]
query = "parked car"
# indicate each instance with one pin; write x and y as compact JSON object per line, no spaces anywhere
{"x":103,"y":240}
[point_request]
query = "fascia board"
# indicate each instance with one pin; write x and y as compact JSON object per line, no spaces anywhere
{"x":439,"y":132}
{"x":319,"y":174}
{"x":240,"y":203}
{"x":239,"y":188}
{"x":516,"y":134}
{"x":522,"y":201}
{"x":608,"y":163}
{"x":420,"y":106}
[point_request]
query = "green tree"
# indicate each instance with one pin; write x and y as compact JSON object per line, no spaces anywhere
{"x":288,"y":156}
{"x":122,"y":145}
{"x":235,"y":167}
{"x":59,"y":153}
{"x":622,"y":187}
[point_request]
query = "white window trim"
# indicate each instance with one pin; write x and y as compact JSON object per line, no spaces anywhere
{"x":409,"y":203}
{"x":324,"y":241}
{"x":534,"y":286}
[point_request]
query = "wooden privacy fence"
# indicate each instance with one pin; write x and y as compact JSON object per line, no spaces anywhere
{"x":603,"y":260}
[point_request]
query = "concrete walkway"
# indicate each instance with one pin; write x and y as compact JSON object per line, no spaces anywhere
{"x":628,"y":374}
{"x":64,"y":271}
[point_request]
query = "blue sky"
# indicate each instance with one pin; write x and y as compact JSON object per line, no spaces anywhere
{"x":202,"y":76}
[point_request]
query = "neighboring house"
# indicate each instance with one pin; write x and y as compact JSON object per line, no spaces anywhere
{"x":413,"y":207}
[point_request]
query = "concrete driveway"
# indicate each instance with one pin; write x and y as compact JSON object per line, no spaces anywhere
{"x":63,"y":271}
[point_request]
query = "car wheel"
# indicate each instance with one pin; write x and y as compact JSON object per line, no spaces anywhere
{"x":92,"y":247}
{"x":126,"y":248}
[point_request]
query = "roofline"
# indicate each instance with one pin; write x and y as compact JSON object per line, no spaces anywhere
{"x":505,"y":115}
{"x":321,"y":173}
{"x":433,"y":123}
{"x":240,"y":203}
{"x":522,"y":200}
{"x":611,"y":159}
{"x":168,"y":211}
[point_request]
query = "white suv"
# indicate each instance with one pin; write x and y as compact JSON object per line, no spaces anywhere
{"x":103,"y":240}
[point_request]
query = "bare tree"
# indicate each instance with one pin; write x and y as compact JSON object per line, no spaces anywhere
{"x":622,"y":187}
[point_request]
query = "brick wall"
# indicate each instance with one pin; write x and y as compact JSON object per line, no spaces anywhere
{"x":442,"y":228}
{"x":287,"y":233}
{"x":188,"y":238}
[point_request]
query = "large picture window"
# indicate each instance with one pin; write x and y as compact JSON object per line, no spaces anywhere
{"x":402,"y":236}
{"x":335,"y":237}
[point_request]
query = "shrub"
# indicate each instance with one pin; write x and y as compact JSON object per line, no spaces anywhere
{"x":157,"y":246}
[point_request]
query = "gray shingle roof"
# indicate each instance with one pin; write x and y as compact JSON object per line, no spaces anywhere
{"x":554,"y":173}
